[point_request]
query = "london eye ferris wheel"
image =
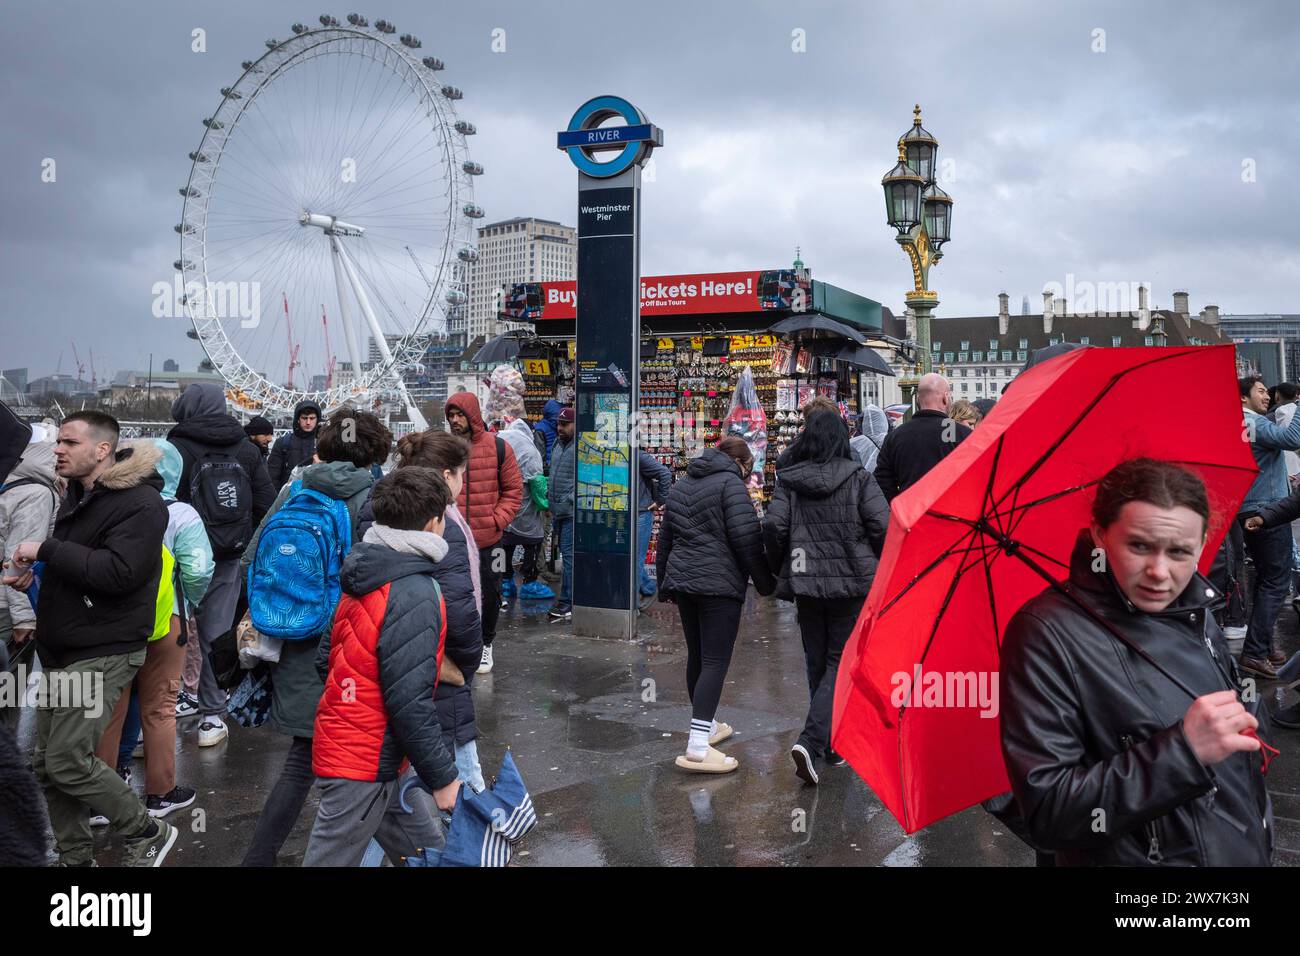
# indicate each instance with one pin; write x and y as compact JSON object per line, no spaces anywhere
{"x":328,"y":219}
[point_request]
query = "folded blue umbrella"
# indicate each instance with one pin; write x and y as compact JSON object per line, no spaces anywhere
{"x":484,"y":826}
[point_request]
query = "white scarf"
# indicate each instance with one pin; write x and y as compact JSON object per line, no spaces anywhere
{"x":424,"y":543}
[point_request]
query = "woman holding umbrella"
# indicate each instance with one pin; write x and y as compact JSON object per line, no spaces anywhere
{"x":1125,"y":734}
{"x":823,"y":533}
{"x":710,"y":546}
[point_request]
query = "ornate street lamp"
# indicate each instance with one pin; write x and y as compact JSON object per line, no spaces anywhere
{"x":921,"y":212}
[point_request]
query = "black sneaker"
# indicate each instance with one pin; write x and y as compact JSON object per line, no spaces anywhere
{"x":833,"y":759}
{"x":561,"y":614}
{"x":803,"y":764}
{"x":1288,"y":717}
{"x":178,"y":799}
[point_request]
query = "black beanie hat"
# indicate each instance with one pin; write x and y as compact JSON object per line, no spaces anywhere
{"x":258,"y":426}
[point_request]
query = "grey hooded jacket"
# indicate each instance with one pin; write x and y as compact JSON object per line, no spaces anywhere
{"x":27,"y":513}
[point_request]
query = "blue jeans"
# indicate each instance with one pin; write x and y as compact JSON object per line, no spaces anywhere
{"x":645,"y":522}
{"x":564,"y":528}
{"x":468,"y":767}
{"x":130,"y":732}
{"x":1271,"y":552}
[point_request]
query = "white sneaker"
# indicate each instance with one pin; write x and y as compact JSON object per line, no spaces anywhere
{"x":212,"y":731}
{"x":98,"y":819}
{"x":186,"y":705}
{"x":485,"y":665}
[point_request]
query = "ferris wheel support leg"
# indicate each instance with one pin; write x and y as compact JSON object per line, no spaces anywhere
{"x":380,"y":340}
{"x":345,"y":314}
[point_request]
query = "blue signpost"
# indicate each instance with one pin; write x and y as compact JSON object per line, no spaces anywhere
{"x":606,"y":550}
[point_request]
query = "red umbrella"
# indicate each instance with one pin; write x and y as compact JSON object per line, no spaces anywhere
{"x":964,"y":542}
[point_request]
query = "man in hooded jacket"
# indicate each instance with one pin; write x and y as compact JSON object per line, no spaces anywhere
{"x":29,"y":500}
{"x":206,"y":432}
{"x":546,"y":428}
{"x":489,"y":500}
{"x":297,"y":447}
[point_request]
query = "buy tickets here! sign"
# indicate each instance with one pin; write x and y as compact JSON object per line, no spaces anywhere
{"x":669,"y":295}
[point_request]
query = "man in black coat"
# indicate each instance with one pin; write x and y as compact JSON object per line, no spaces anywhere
{"x":94,"y":617}
{"x":208,"y":437}
{"x":260,"y":433}
{"x":912,"y":449}
{"x":296,"y":448}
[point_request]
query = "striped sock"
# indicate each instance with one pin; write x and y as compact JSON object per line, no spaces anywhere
{"x":698,"y":745}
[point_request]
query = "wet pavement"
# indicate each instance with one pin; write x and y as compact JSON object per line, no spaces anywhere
{"x":595,"y":726}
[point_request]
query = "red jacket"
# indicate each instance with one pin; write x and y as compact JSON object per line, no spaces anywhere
{"x":384,"y":651}
{"x":491,"y":496}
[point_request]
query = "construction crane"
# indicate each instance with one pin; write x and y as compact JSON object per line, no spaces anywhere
{"x":293,"y":349}
{"x":419,"y":267}
{"x":94,"y":380}
{"x":329,"y":353}
{"x":81,"y":366}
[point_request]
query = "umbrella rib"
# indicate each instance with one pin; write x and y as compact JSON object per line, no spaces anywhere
{"x":988,"y":574}
{"x":1052,"y":497}
{"x":938,"y":619}
{"x":1029,"y":473}
{"x":923,"y":572}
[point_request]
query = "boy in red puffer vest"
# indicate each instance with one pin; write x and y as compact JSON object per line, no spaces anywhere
{"x":378,"y":712}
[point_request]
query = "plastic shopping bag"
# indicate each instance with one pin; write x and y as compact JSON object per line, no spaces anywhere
{"x":255,"y":647}
{"x":747,"y":419}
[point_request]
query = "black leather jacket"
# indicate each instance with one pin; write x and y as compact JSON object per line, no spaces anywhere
{"x":1093,"y":736}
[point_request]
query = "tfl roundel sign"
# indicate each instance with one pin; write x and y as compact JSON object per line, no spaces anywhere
{"x":585,"y":136}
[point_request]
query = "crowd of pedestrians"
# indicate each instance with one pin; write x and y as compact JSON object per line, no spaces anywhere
{"x":373,"y":601}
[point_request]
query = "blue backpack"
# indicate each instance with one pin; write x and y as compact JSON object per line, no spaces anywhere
{"x":293,"y":583}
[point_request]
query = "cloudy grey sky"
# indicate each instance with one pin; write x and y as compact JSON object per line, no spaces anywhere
{"x":1118,"y":166}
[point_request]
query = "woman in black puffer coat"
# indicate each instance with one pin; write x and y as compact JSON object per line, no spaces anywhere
{"x":710,"y":546}
{"x":823,"y":534}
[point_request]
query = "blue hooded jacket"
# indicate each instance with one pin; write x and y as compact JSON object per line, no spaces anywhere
{"x":550,"y":415}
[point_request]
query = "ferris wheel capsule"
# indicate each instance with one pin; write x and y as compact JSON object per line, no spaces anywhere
{"x":464,"y":128}
{"x":190,"y":192}
{"x":473,"y":211}
{"x":212,"y":123}
{"x":474,"y":169}
{"x":467,"y":254}
{"x":383,"y":26}
{"x":298,"y":28}
{"x":407,"y":40}
{"x":328,"y":21}
{"x":357,"y":20}
{"x":272,"y":43}
{"x":232,"y":93}
{"x":433,"y":63}
{"x":452,"y":93}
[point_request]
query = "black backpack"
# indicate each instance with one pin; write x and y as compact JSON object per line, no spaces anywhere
{"x":223,"y":496}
